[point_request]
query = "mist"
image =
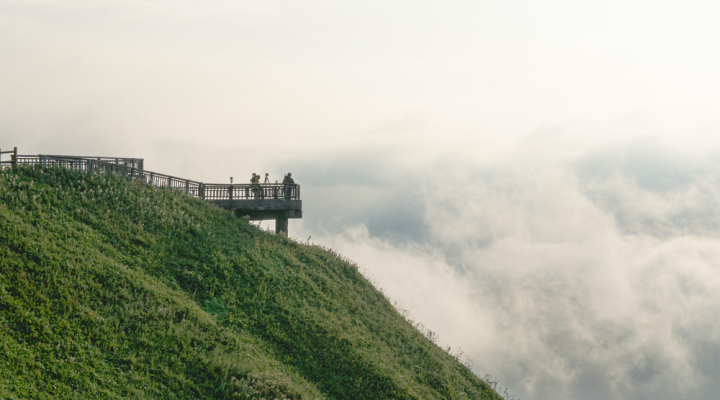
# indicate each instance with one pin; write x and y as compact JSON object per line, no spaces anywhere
{"x":587,"y":274}
{"x":537,"y":183}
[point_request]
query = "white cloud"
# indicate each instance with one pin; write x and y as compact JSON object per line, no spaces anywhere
{"x":483,"y":146}
{"x":527,"y":271}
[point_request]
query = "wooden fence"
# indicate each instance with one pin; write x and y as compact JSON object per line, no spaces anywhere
{"x":132,"y":168}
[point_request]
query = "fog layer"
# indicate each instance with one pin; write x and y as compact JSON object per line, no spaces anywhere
{"x":534,"y":181}
{"x":591,"y":274}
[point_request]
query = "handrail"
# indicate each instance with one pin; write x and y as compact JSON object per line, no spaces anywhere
{"x":205,"y":191}
{"x":128,"y":161}
{"x":92,"y":157}
{"x":13,"y":157}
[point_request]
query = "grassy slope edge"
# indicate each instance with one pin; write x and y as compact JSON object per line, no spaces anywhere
{"x":110,"y":288}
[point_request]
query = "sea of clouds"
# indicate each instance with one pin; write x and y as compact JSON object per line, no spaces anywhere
{"x":568,"y":267}
{"x":565,"y":272}
{"x":582,"y":275}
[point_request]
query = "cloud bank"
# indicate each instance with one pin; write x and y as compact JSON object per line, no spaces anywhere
{"x":484,"y":161}
{"x":592,"y":275}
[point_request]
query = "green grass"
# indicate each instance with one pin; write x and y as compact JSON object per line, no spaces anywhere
{"x":110,"y":288}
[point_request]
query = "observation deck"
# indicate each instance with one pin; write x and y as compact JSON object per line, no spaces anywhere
{"x":257,"y":201}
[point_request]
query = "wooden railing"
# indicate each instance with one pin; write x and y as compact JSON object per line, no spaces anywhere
{"x":249,"y":191}
{"x":128,"y":162}
{"x":13,"y":156}
{"x":132,"y":168}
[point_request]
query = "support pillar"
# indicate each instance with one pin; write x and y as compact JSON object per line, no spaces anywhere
{"x":281,"y":225}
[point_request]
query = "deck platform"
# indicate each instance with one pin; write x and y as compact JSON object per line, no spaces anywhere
{"x":264,"y":209}
{"x":257,"y":201}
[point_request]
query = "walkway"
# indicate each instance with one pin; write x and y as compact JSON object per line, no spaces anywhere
{"x":259,"y":202}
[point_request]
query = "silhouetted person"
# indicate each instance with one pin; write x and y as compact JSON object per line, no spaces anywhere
{"x":255,"y":185}
{"x":289,"y":184}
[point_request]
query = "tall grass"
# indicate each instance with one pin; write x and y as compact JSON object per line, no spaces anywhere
{"x":110,"y":288}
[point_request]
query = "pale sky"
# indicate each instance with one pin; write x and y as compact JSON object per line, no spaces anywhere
{"x":535,"y":181}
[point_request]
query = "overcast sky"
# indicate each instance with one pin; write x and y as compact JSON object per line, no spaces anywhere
{"x":537,"y":182}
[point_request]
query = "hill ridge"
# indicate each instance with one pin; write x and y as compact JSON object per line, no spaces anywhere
{"x":111,"y":288}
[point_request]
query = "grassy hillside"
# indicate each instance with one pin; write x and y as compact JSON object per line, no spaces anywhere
{"x":110,"y":288}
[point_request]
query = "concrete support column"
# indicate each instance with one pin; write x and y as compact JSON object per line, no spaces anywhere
{"x":281,"y":225}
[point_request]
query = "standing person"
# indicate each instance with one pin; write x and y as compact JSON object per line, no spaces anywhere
{"x":267,"y":178}
{"x":256,"y":185}
{"x":289,"y":183}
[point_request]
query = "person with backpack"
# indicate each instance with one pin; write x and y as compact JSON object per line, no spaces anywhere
{"x":256,"y":186}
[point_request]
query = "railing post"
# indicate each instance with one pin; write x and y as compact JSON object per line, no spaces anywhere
{"x":187,"y":186}
{"x":201,"y":191}
{"x":13,"y":158}
{"x":230,"y":191}
{"x":152,"y":179}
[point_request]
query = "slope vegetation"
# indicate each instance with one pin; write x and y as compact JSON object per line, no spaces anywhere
{"x":110,"y":288}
